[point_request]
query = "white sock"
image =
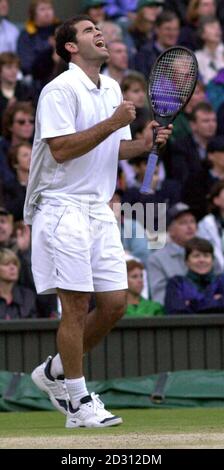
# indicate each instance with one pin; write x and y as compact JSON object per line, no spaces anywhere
{"x":56,"y":366}
{"x":76,"y":390}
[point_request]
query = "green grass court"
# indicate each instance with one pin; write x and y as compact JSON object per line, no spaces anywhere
{"x":142,"y":428}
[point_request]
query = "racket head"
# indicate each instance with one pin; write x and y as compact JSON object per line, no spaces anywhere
{"x":171,"y":83}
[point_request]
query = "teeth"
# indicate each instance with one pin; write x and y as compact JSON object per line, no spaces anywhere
{"x":99,"y":43}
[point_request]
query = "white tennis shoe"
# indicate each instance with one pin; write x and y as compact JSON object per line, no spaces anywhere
{"x":55,"y":388}
{"x":91,"y":414}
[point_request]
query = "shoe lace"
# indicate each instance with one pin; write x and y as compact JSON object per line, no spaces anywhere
{"x":61,"y":388}
{"x":97,"y":403}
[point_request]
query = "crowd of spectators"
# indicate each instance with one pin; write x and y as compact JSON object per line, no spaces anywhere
{"x":187,"y":274}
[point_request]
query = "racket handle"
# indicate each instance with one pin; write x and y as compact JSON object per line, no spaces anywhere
{"x":149,"y":172}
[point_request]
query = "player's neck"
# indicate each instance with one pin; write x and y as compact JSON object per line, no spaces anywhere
{"x":91,"y":69}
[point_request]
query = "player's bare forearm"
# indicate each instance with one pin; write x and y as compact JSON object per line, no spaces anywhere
{"x":131,"y":148}
{"x":68,"y":147}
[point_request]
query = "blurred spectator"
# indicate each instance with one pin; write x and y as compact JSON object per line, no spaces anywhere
{"x":181,"y":123}
{"x":167,"y":28}
{"x":37,"y":35}
{"x":186,"y":155}
{"x":118,"y":61}
{"x":137,"y":306}
{"x":211,"y":56}
{"x":17,"y":126}
{"x":18,"y":122}
{"x":15,"y":301}
{"x":211,"y":226}
{"x":220,"y":119}
{"x":49,"y":66}
{"x":9,"y":33}
{"x":163,"y":190}
{"x":141,"y":30}
{"x":121,"y":8}
{"x":94,"y":9}
{"x":195,"y":11}
{"x":220,"y":13}
{"x":15,"y":192}
{"x":11,"y":89}
{"x":215,"y":90}
{"x":110,"y":31}
{"x":199,"y":184}
{"x":169,"y":261}
{"x":133,"y":87}
{"x":179,"y":7}
{"x":17,"y":238}
{"x":133,"y":236}
{"x":200,"y":291}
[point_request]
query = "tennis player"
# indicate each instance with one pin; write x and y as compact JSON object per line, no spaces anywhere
{"x":82,"y":128}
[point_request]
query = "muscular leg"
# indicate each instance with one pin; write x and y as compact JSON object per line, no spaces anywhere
{"x":71,"y":331}
{"x":110,"y":307}
{"x":98,"y":323}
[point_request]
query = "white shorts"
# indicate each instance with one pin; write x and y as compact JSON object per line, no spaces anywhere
{"x":73,"y":251}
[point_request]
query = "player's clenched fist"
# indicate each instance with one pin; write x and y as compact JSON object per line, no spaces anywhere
{"x":124,"y":114}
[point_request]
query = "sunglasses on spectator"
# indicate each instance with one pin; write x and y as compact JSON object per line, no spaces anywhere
{"x":21,"y":122}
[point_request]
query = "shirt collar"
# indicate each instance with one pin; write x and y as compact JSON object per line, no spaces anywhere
{"x":104,"y":84}
{"x":176,"y":249}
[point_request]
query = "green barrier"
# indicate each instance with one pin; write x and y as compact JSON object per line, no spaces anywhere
{"x":197,"y":388}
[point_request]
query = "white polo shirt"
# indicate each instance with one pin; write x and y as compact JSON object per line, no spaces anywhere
{"x":72,"y":103}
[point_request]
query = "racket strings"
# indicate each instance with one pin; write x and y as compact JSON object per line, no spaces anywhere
{"x":172,"y":82}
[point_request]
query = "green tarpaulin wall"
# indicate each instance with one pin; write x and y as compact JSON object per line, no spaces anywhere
{"x":172,"y":389}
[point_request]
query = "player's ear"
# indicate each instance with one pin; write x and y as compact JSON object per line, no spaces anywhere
{"x":71,"y":47}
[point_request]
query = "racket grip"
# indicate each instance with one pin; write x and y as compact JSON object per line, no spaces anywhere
{"x":149,"y":172}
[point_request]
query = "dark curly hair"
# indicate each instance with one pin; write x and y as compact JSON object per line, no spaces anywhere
{"x":67,"y":33}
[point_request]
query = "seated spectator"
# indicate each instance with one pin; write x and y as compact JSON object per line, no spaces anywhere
{"x":94,"y":9}
{"x":137,"y":306}
{"x":163,"y":190}
{"x":196,"y":10}
{"x":215,"y":90}
{"x":133,"y":87}
{"x":179,"y":7}
{"x":211,"y":226}
{"x":181,"y":126}
{"x":49,"y":66}
{"x":15,"y":301}
{"x":167,"y":28}
{"x":133,"y":236}
{"x":186,"y":155}
{"x":116,"y":66}
{"x":168,"y":261}
{"x":11,"y":89}
{"x":110,"y":31}
{"x":17,"y":238}
{"x":200,"y":291}
{"x":17,"y":126}
{"x":121,"y":9}
{"x":198,"y":185}
{"x":211,"y":56}
{"x":15,"y":192}
{"x":37,"y":35}
{"x":9,"y":33}
{"x":141,"y":29}
{"x":220,"y":119}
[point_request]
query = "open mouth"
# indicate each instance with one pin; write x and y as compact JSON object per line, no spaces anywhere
{"x":100,"y":43}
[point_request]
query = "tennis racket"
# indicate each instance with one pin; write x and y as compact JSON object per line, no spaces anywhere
{"x":171,"y":84}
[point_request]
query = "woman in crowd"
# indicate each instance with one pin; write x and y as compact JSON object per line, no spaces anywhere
{"x":15,"y":301}
{"x":200,"y":291}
